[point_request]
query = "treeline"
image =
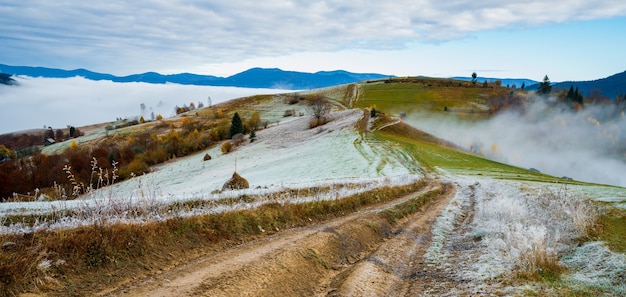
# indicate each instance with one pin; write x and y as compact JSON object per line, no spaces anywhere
{"x":116,"y":155}
{"x":23,"y":142}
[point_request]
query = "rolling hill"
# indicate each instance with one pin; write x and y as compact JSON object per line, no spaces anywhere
{"x":365,"y":203}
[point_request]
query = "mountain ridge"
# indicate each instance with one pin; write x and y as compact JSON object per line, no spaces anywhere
{"x":610,"y":86}
{"x":276,"y":78}
{"x":252,"y":78}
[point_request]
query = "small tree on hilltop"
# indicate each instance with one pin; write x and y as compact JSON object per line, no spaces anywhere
{"x":236,"y":125}
{"x":544,"y":87}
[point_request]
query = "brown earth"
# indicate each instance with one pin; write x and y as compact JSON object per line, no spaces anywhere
{"x":360,"y":254}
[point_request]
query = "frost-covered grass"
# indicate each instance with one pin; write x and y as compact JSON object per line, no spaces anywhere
{"x":514,"y":232}
{"x":146,"y":204}
{"x":45,"y":258}
{"x":594,"y":265}
{"x":283,"y":165}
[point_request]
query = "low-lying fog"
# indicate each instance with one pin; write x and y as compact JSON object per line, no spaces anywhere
{"x":588,"y":145}
{"x":59,"y":102}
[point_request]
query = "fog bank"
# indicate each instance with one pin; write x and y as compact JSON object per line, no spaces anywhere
{"x":59,"y":102}
{"x":588,"y":145}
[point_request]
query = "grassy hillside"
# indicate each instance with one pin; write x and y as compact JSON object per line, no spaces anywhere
{"x":297,"y":174}
{"x":422,"y":95}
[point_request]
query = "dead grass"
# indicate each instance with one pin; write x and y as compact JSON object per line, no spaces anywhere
{"x":81,"y":261}
{"x":539,"y":264}
{"x":413,"y":205}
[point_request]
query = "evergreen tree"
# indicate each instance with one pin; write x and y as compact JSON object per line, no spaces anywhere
{"x":570,"y":94}
{"x":578,"y":96}
{"x":252,"y":136}
{"x":236,"y":126}
{"x":544,"y":87}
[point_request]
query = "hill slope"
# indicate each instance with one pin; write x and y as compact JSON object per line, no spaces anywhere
{"x":610,"y":86}
{"x":491,"y":229}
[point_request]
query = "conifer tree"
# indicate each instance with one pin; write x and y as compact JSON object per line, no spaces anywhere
{"x":544,"y":87}
{"x":236,"y":125}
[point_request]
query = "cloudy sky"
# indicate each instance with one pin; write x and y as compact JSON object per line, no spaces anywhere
{"x":567,"y":40}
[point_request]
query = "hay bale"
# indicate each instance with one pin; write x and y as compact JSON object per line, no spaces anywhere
{"x":236,"y":183}
{"x":207,"y":157}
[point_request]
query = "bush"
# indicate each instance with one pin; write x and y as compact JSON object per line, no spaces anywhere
{"x":156,"y":156}
{"x":289,"y":113}
{"x":135,"y":167}
{"x":316,"y":122}
{"x":237,"y":139}
{"x":227,"y":147}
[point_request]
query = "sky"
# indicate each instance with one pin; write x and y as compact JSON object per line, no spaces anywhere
{"x":566,"y":40}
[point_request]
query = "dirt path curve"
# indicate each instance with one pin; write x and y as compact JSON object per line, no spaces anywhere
{"x":398,"y":267}
{"x":320,"y":260}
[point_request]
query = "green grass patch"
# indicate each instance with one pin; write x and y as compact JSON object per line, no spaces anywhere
{"x":411,"y":206}
{"x":613,"y":230}
{"x":426,"y":96}
{"x":436,"y":157}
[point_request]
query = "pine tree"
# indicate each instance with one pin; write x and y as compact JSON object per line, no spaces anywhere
{"x":236,"y":126}
{"x":544,"y":87}
{"x":252,"y":136}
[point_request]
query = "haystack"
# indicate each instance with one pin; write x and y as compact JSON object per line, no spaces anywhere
{"x":236,"y":183}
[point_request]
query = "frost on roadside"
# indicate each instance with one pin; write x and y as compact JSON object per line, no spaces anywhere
{"x":494,"y":230}
{"x":594,"y":265}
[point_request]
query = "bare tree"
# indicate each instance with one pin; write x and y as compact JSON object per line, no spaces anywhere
{"x":319,"y":107}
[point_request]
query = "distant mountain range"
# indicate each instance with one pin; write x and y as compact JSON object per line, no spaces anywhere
{"x":252,"y":78}
{"x":275,"y":78}
{"x":609,"y":86}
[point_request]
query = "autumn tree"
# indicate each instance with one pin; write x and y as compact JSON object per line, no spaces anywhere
{"x":6,"y":152}
{"x":254,"y":122}
{"x":59,"y":135}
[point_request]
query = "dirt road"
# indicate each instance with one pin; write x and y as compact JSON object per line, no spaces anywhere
{"x":360,"y":254}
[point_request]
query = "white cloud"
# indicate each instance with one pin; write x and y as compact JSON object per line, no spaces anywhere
{"x":121,"y":34}
{"x":39,"y":102}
